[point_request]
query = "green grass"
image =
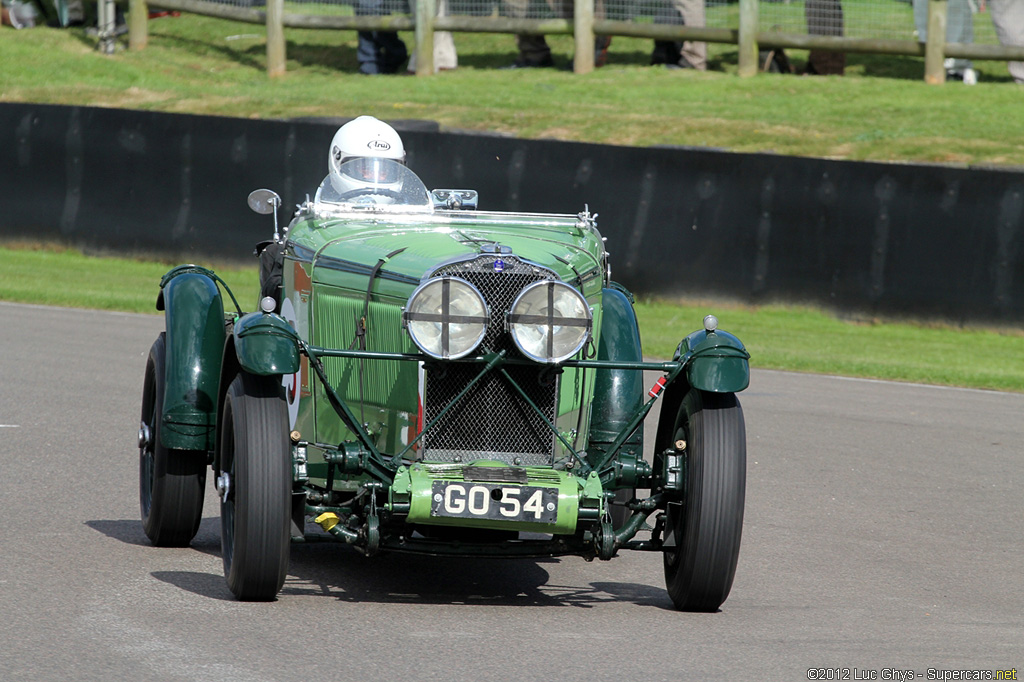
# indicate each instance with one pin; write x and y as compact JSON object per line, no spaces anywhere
{"x":778,"y":337}
{"x":881,"y":110}
{"x":804,"y":339}
{"x":54,"y":275}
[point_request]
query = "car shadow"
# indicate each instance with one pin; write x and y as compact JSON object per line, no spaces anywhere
{"x":336,"y":571}
{"x":129,"y":531}
{"x":340,"y":572}
{"x":209,"y":585}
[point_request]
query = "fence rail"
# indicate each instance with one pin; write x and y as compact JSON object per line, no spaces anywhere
{"x":739,"y":22}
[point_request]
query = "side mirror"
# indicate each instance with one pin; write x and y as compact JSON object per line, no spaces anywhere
{"x":265,"y":202}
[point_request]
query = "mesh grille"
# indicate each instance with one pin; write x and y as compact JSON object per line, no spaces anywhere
{"x":491,"y":421}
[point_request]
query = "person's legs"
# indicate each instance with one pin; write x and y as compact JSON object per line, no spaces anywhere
{"x":367,"y":50}
{"x":825,"y":18}
{"x":675,"y":53}
{"x":392,"y":51}
{"x":959,"y":29}
{"x":601,"y":43}
{"x":533,"y":49}
{"x":19,"y":14}
{"x":368,"y":53}
{"x":1008,"y":20}
{"x":666,"y":51}
{"x":445,"y":56}
{"x":695,"y":53}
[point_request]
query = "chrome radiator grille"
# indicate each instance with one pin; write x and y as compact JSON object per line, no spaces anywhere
{"x":491,"y":421}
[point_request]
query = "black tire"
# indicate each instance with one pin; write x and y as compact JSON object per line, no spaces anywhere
{"x":171,"y":482}
{"x":706,"y":526}
{"x":256,"y":517}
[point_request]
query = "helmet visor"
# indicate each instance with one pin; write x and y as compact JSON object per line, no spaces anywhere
{"x":371,"y":170}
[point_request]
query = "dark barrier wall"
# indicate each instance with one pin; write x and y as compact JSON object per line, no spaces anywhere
{"x":886,"y":238}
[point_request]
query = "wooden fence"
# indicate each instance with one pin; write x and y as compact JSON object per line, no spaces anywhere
{"x":423,"y":20}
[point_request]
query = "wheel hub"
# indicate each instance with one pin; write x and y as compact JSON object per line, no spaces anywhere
{"x":224,"y":486}
{"x":145,"y":436}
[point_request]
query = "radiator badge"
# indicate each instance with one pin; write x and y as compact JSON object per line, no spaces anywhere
{"x":499,"y":265}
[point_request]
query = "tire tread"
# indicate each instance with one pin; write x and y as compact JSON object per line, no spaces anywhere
{"x":700,"y":576}
{"x":256,"y":563}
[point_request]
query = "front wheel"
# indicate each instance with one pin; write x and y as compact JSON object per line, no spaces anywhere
{"x":702,"y":534}
{"x":255,"y":487}
{"x":171,"y":482}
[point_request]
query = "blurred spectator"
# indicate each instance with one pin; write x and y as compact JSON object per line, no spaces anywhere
{"x":445,"y":57}
{"x":825,"y":18}
{"x":28,"y":13}
{"x":81,"y":12}
{"x":533,"y":48}
{"x":959,"y":29}
{"x":17,"y":14}
{"x":1008,"y":20}
{"x":681,"y":54}
{"x":378,"y":51}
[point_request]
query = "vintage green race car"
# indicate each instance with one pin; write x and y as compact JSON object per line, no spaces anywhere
{"x":423,"y":376}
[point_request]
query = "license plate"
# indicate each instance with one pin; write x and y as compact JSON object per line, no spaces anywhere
{"x":494,"y":501}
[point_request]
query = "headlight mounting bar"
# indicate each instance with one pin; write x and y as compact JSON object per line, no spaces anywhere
{"x":550,"y":321}
{"x":383,"y":467}
{"x":470,"y":299}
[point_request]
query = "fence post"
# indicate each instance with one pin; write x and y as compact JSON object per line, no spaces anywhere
{"x":583,"y":36}
{"x":425,"y":12}
{"x":138,"y":24}
{"x":935,"y":43}
{"x":747,"y":40}
{"x":275,"y":38}
{"x":105,"y":22}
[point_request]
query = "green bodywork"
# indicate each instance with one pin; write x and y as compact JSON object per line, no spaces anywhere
{"x":577,"y":497}
{"x":351,"y":376}
{"x":194,"y":318}
{"x":339,"y":255}
{"x":345,"y":250}
{"x":715,"y":361}
{"x":265,"y":344}
{"x":618,"y":393}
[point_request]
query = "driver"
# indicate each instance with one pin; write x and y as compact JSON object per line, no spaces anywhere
{"x":357,"y":160}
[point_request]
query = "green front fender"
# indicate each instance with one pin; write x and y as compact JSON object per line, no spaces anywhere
{"x":618,"y":393}
{"x":194,"y":319}
{"x":716,"y":361}
{"x":266,"y":344}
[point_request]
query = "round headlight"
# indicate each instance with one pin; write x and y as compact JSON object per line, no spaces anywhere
{"x":446,"y":317}
{"x":549,"y":321}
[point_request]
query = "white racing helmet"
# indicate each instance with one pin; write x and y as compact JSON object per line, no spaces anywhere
{"x":367,"y":139}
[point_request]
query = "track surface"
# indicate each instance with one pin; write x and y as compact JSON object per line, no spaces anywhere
{"x":884,"y":529}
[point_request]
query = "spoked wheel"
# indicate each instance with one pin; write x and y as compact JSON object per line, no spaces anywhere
{"x":702,"y":533}
{"x":255,"y":487}
{"x":171,"y":482}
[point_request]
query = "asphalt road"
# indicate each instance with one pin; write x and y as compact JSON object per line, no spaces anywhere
{"x":884,"y":530}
